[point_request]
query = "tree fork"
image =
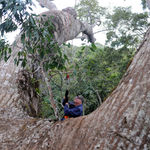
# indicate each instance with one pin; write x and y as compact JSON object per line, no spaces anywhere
{"x":121,"y":122}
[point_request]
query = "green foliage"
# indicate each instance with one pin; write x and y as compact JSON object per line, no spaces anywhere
{"x":12,"y":13}
{"x":5,"y":51}
{"x":57,"y":83}
{"x":89,"y":11}
{"x":37,"y":38}
{"x":143,"y":3}
{"x":46,"y":109}
{"x":97,"y":73}
{"x":126,"y":29}
{"x":92,"y":74}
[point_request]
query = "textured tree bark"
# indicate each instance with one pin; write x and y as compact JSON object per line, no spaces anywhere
{"x":67,"y":27}
{"x":121,"y":122}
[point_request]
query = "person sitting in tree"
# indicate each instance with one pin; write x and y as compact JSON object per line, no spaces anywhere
{"x":72,"y":109}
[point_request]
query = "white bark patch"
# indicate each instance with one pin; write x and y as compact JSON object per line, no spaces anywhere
{"x":120,"y":145}
{"x":130,"y":81}
{"x":130,"y":147}
{"x":97,"y":146}
{"x":148,"y":96}
{"x":6,"y":83}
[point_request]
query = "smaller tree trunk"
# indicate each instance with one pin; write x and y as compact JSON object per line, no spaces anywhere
{"x":98,"y":97}
{"x":52,"y":101}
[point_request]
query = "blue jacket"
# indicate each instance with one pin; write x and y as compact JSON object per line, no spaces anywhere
{"x":73,"y":112}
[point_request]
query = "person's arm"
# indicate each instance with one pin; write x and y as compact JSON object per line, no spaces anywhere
{"x":65,"y":100}
{"x":74,"y":112}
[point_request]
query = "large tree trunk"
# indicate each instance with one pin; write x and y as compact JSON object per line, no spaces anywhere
{"x":121,"y":122}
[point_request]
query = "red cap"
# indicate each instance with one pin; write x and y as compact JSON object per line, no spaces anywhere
{"x":67,"y":77}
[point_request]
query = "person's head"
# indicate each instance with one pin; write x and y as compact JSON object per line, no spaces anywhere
{"x":78,"y":100}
